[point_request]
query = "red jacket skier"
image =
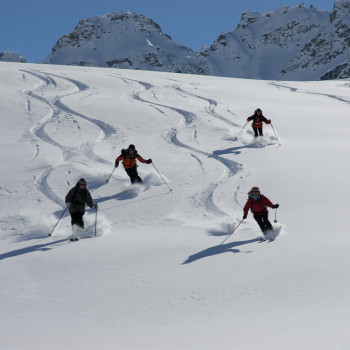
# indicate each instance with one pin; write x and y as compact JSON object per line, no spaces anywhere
{"x":258,"y":204}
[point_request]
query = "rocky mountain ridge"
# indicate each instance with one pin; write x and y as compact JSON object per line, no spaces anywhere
{"x":123,"y":40}
{"x":290,"y":43}
{"x":10,"y":56}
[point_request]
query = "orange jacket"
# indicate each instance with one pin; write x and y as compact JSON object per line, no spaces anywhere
{"x":129,"y":160}
{"x":257,"y":205}
{"x":257,"y":120}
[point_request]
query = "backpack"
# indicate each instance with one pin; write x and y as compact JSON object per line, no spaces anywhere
{"x":258,"y":200}
{"x":124,"y":152}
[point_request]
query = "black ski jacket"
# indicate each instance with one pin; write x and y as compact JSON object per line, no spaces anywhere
{"x":78,"y":197}
{"x":257,"y":120}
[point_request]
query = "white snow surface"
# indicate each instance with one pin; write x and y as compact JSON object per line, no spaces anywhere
{"x":156,"y":275}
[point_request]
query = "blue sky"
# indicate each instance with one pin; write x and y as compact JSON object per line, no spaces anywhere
{"x":32,"y":27}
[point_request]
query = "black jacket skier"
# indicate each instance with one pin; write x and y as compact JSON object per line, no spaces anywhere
{"x":76,"y":199}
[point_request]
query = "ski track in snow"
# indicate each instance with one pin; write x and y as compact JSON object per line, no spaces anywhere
{"x":300,"y":91}
{"x":204,"y":197}
{"x":288,"y":281}
{"x":57,"y":111}
{"x":42,"y":185}
{"x":211,"y":108}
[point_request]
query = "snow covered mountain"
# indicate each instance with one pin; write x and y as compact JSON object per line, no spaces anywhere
{"x":10,"y":56}
{"x":123,"y":40}
{"x":290,"y":43}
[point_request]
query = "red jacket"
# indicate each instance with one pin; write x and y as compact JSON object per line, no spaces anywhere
{"x":257,"y":205}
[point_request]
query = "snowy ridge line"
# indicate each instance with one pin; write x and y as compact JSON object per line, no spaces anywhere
{"x":205,"y":196}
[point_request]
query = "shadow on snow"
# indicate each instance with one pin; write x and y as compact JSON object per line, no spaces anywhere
{"x":31,"y":249}
{"x":219,"y":249}
{"x":235,"y":150}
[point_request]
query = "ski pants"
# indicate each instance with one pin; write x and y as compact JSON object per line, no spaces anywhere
{"x":132,"y":173}
{"x":77,"y":219}
{"x":258,"y":131}
{"x":263,"y":220}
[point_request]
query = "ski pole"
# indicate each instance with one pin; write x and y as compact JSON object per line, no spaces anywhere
{"x":57,"y":222}
{"x":232,"y":232}
{"x":234,"y":138}
{"x":241,"y":130}
{"x":279,"y":143}
{"x":275,"y":215}
{"x":96,"y":223}
{"x":162,"y":178}
{"x":107,"y":180}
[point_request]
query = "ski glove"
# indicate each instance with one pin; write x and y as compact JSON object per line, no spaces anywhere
{"x":116,"y":164}
{"x":149,"y":161}
{"x":244,"y":217}
{"x":276,"y":206}
{"x":69,"y":204}
{"x":94,"y":206}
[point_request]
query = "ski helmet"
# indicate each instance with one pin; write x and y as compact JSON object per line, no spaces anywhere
{"x":258,"y":110}
{"x":132,"y":148}
{"x":82,"y":181}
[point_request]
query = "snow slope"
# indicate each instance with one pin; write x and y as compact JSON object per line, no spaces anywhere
{"x":156,"y":276}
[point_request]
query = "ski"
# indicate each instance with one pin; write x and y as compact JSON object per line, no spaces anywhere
{"x":262,"y":240}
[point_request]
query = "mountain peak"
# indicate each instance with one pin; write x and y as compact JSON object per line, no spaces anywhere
{"x":340,"y":10}
{"x":123,"y":40}
{"x":10,"y":56}
{"x":289,"y":43}
{"x":341,"y":4}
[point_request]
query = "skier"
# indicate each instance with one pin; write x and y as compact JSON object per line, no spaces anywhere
{"x":129,"y":156}
{"x":257,"y":119}
{"x":257,"y":203}
{"x":76,"y":199}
